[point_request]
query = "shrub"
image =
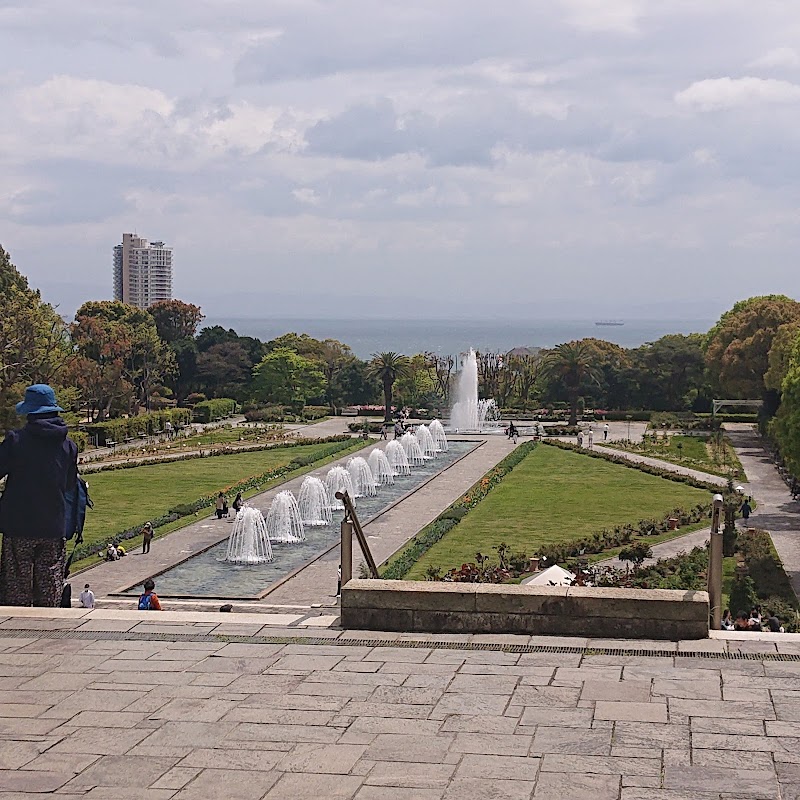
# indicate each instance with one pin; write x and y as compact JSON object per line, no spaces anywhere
{"x":194,"y":398}
{"x":315,"y":412}
{"x":212,"y":410}
{"x":743,"y":594}
{"x":80,"y":438}
{"x":117,"y":430}
{"x":266,"y":414}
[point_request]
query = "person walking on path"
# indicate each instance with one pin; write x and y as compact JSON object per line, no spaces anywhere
{"x":222,"y":506}
{"x":605,"y":432}
{"x":86,"y":597}
{"x":147,"y":537}
{"x":580,"y":438}
{"x":40,"y":464}
{"x":591,"y":438}
{"x":746,"y":510}
{"x":237,"y":503}
{"x":149,"y":600}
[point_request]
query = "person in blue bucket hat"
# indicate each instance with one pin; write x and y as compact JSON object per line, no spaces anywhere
{"x":40,"y":465}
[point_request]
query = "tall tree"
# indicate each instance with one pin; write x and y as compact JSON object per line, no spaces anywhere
{"x":440,"y":369}
{"x":668,"y":374}
{"x":33,"y":343}
{"x":737,"y":347}
{"x":387,"y":368}
{"x":107,"y":330}
{"x":283,"y":376}
{"x":785,"y":427}
{"x":572,"y":365}
{"x":224,"y":370}
{"x":176,"y":320}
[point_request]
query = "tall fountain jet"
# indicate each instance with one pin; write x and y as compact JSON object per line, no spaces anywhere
{"x":468,"y":412}
{"x":249,"y":542}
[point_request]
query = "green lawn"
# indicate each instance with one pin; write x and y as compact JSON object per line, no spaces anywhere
{"x":128,"y":497}
{"x":695,"y":452}
{"x":556,"y":495}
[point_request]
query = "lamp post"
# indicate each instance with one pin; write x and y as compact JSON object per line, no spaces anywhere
{"x":715,"y":566}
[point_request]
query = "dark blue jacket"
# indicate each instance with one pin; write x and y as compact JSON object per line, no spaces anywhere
{"x":41,"y":464}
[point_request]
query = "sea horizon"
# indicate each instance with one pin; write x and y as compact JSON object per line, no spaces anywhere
{"x":453,"y":336}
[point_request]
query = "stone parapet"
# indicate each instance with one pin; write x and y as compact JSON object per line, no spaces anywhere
{"x":437,"y":607}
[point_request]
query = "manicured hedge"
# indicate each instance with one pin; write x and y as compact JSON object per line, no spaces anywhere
{"x":80,"y":438}
{"x":117,"y":430}
{"x":222,"y":451}
{"x":212,"y":410}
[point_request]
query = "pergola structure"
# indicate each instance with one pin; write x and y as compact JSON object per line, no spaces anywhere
{"x":718,"y":404}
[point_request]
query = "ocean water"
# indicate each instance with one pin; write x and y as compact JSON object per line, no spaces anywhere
{"x":450,"y":337}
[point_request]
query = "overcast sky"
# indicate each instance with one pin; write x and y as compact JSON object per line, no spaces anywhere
{"x":570,"y":157}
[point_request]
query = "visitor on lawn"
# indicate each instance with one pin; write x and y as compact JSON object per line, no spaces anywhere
{"x":40,"y":465}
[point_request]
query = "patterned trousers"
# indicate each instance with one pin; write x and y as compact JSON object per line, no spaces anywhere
{"x":32,"y":572}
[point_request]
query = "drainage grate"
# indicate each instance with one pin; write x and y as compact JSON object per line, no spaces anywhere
{"x":413,"y":644}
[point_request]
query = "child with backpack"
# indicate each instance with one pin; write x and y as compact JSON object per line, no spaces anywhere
{"x":149,"y":600}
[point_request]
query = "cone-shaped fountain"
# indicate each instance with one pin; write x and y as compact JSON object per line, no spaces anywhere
{"x":426,"y":443}
{"x":414,"y":452}
{"x":338,"y":480}
{"x":397,"y":458}
{"x":361,"y":475}
{"x":381,"y":469}
{"x":249,"y":542}
{"x":283,"y":519}
{"x":439,"y":437}
{"x":315,"y":507}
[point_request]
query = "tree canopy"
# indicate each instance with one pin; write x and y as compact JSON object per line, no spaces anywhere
{"x":738,"y":346}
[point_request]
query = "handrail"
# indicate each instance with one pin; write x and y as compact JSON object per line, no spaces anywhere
{"x":351,"y":516}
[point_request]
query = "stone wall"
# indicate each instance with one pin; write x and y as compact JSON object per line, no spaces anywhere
{"x":436,"y":607}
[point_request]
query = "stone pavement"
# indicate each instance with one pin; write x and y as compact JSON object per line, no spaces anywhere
{"x":93,"y":708}
{"x":776,"y":511}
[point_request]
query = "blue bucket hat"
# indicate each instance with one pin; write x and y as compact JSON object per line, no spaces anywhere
{"x":39,"y":399}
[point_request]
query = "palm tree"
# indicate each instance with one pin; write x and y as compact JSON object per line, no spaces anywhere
{"x":387,"y":368}
{"x":571,"y":364}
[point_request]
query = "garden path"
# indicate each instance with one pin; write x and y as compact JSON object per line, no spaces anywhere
{"x":680,"y":544}
{"x":776,"y":512}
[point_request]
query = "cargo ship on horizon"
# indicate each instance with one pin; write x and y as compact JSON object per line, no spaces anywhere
{"x":609,"y":322}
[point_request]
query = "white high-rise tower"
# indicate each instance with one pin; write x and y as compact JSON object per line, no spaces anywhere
{"x":142,"y":271}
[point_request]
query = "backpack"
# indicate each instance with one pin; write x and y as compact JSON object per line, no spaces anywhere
{"x":144,"y":602}
{"x":76,"y":502}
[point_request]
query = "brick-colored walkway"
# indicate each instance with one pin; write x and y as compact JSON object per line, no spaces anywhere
{"x":163,"y":708}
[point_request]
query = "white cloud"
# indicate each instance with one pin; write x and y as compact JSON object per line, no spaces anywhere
{"x":717,"y":94}
{"x":615,"y":16}
{"x":779,"y":57}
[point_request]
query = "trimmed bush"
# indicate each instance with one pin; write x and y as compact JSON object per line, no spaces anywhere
{"x":80,"y":438}
{"x":117,"y":430}
{"x":212,"y":410}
